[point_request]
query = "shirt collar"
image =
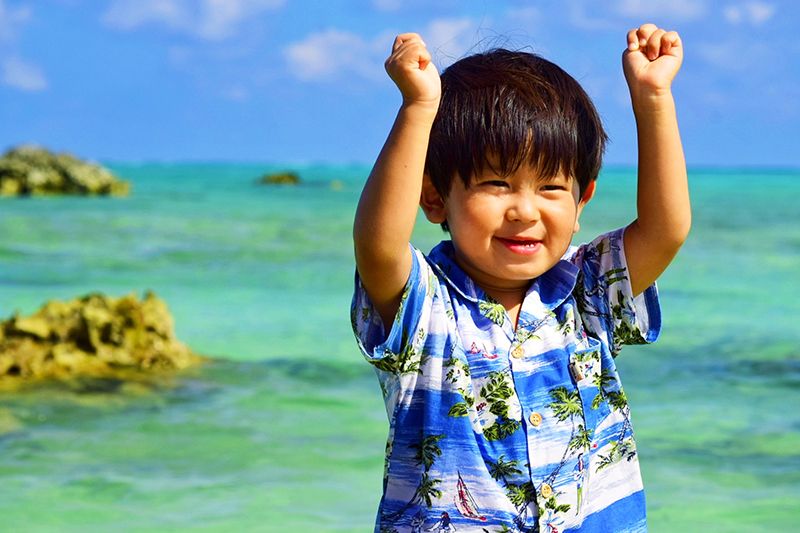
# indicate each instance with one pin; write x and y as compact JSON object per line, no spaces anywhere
{"x":552,"y":287}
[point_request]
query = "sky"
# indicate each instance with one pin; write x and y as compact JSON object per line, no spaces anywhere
{"x":298,"y":82}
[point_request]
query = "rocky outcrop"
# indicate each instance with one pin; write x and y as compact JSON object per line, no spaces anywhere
{"x":31,"y":170}
{"x":280,"y":178}
{"x":93,"y":336}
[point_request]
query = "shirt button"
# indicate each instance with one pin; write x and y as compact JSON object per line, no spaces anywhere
{"x":518,"y":353}
{"x":535,"y":419}
{"x":546,"y":490}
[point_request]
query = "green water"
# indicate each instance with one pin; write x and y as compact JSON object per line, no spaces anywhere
{"x":284,"y":430}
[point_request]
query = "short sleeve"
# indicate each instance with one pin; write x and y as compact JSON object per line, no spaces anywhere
{"x":605,"y":299}
{"x":398,"y":351}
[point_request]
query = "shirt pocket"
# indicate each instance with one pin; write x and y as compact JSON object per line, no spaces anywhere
{"x":586,"y":369}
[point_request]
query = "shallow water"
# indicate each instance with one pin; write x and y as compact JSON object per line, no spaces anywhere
{"x":284,"y":429}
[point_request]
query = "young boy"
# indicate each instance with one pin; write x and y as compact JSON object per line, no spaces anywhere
{"x":495,"y":353}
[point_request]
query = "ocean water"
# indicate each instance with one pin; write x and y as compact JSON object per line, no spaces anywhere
{"x":284,"y":429}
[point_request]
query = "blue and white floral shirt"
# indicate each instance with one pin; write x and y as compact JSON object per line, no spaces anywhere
{"x":493,"y":428}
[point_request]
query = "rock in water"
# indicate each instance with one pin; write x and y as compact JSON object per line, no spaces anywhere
{"x":280,"y":178}
{"x":31,"y":170}
{"x":95,"y":336}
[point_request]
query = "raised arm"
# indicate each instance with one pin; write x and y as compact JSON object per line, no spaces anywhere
{"x":388,"y":207}
{"x":650,"y":62}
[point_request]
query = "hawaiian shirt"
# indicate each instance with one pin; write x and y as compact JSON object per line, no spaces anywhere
{"x":493,"y":428}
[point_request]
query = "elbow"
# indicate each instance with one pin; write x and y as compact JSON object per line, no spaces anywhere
{"x":675,"y":235}
{"x":683,"y":228}
{"x":363,"y":235}
{"x":664,"y":237}
{"x":373,"y":251}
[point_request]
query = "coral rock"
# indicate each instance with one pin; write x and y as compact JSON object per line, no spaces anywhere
{"x":280,"y":178}
{"x":31,"y":170}
{"x":94,"y":336}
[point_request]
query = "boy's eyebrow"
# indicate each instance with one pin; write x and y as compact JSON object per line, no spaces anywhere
{"x":493,"y":164}
{"x":555,"y":177}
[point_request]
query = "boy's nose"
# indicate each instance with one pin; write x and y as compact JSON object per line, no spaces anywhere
{"x":523,"y":209}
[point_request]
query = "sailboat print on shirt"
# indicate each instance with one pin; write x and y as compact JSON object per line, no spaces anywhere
{"x":465,"y":503}
{"x":486,"y":355}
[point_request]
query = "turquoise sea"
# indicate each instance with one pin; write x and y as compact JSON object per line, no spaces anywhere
{"x":284,"y":430}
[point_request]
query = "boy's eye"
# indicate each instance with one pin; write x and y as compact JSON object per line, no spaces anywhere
{"x":553,"y":187}
{"x":495,"y":183}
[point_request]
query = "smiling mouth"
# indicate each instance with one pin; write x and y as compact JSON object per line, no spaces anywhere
{"x":520,"y":246}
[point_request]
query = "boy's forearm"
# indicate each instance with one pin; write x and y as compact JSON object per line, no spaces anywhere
{"x":663,"y":207}
{"x":388,"y":207}
{"x":664,"y":213}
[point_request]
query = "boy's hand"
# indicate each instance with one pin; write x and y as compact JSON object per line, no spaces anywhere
{"x":411,"y":69}
{"x":651,"y":60}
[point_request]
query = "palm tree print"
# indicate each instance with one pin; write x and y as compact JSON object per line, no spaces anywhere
{"x":624,"y":447}
{"x":520,"y":497}
{"x":427,"y":450}
{"x":617,"y":400}
{"x":426,"y":490}
{"x":601,"y":381}
{"x":566,"y":404}
{"x":582,"y":439}
{"x":620,"y":449}
{"x":502,"y":469}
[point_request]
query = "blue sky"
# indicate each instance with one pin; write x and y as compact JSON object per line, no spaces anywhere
{"x":292,"y":81}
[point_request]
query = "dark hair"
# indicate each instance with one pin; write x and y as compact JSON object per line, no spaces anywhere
{"x":517,"y":108}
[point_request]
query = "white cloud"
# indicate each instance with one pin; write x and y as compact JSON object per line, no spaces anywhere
{"x":597,"y":16}
{"x":22,"y":75}
{"x":674,"y":9}
{"x":387,"y":5}
{"x":527,"y":14}
{"x":580,"y":17}
{"x":334,"y":54}
{"x":735,"y":56}
{"x":14,"y":71}
{"x":236,"y":93}
{"x":213,"y":20}
{"x":755,"y":13}
{"x":10,"y":20}
{"x":449,"y":39}
{"x":128,"y":15}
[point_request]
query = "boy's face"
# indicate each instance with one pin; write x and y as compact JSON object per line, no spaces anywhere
{"x":508,"y":230}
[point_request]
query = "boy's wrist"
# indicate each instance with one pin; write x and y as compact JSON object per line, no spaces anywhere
{"x":652,"y":100}
{"x":419,"y":110}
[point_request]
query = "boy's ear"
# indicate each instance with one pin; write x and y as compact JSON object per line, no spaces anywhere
{"x":432,"y":202}
{"x":585,"y":197}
